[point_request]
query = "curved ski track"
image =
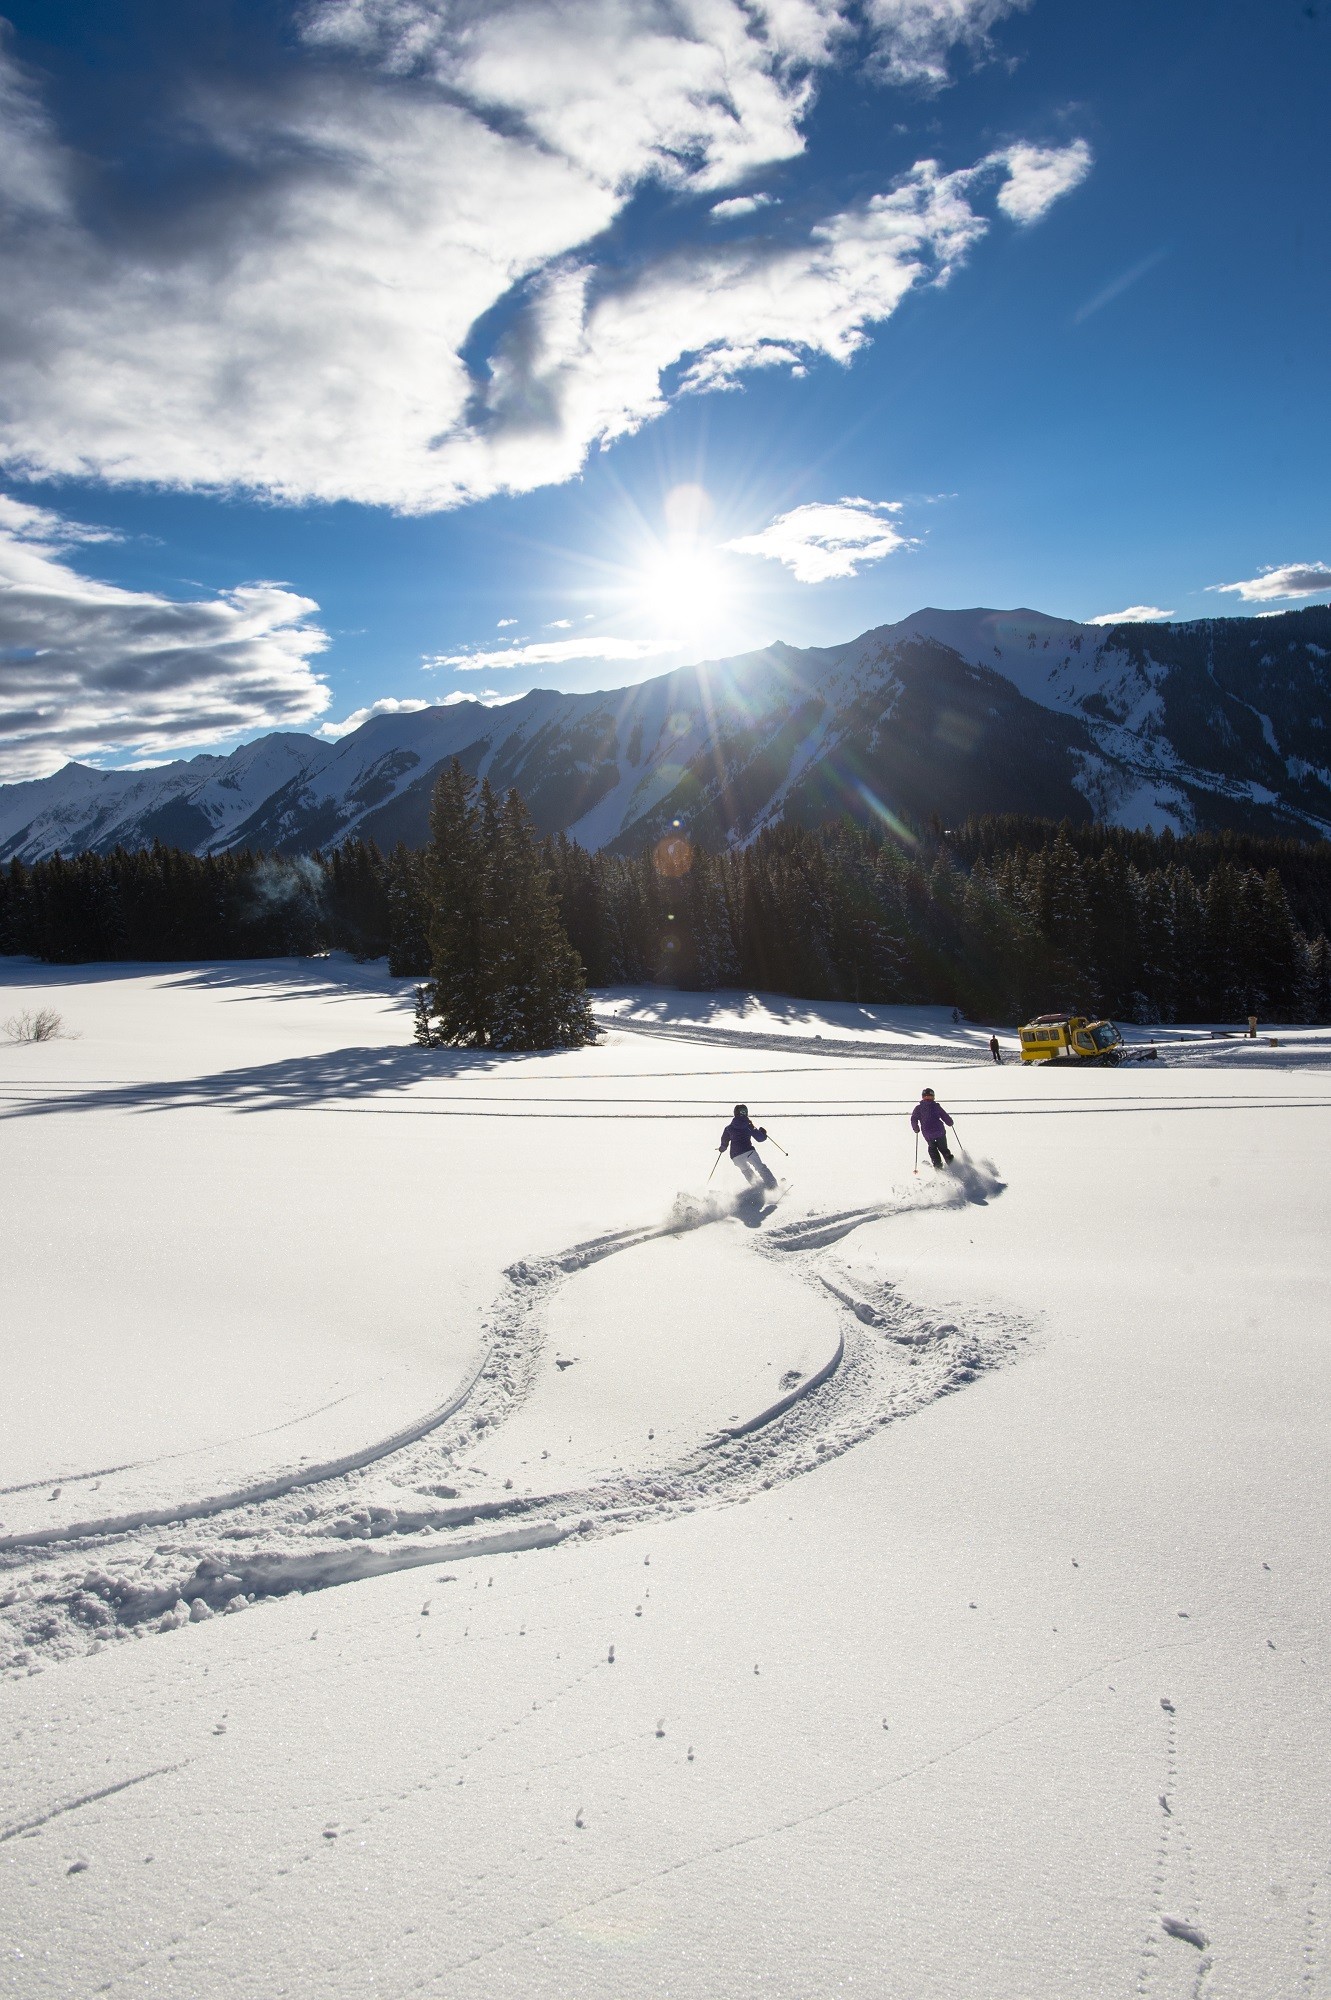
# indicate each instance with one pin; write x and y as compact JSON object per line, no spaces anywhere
{"x":68,"y":1590}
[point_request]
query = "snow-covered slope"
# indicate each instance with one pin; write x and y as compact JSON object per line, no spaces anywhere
{"x":1218,"y":723}
{"x":919,"y":1590}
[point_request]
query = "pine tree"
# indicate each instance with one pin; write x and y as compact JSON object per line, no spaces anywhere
{"x":505,"y":974}
{"x":404,"y":894}
{"x":423,"y":1034}
{"x":1279,"y":946}
{"x":1157,"y":969}
{"x":1317,"y":979}
{"x":457,"y":872}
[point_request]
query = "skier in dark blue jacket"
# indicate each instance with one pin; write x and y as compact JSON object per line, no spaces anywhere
{"x":739,"y":1135}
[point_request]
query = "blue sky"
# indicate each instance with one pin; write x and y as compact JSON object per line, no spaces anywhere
{"x":397,"y":350}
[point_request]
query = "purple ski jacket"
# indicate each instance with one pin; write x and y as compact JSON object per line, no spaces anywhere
{"x":739,"y":1135}
{"x":929,"y":1118}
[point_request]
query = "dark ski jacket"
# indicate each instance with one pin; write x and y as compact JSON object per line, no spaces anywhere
{"x":929,"y":1118}
{"x":739,"y":1135}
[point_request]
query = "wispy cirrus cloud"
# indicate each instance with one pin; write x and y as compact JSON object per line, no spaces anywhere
{"x":89,"y":670}
{"x":1293,"y":580}
{"x":1117,"y":286}
{"x":555,"y":653}
{"x":1135,"y":614}
{"x":826,"y":539}
{"x":297,"y":313}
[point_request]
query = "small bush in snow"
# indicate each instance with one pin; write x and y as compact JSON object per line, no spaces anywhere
{"x":40,"y":1024}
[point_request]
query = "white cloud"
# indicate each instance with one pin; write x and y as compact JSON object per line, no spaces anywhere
{"x":90,"y":670}
{"x":486,"y":698}
{"x":828,"y":539}
{"x":1038,"y":176}
{"x":296,"y":324}
{"x":22,"y":522}
{"x":500,"y":623}
{"x":555,"y":653}
{"x":1136,"y":614}
{"x":696,"y":93}
{"x":386,"y":705}
{"x":915,"y":37}
{"x":560,"y":625}
{"x":594,"y":365}
{"x":1288,"y":580}
{"x":740,"y":204}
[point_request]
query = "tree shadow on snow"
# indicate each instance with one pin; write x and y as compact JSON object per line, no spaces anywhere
{"x":341,"y":1075}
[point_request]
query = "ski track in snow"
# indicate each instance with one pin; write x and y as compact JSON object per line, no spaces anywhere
{"x":71,"y":1589}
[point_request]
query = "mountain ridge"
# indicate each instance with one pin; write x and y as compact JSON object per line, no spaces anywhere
{"x":1199,"y":724}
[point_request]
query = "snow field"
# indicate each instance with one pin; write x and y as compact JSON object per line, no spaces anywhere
{"x":1007,"y":1677}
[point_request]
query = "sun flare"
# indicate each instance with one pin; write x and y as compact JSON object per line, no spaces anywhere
{"x":683,"y":585}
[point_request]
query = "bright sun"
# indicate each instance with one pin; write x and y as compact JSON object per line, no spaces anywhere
{"x":682,"y":585}
{"x":681,"y":582}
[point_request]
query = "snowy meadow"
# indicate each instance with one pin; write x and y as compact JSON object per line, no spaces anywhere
{"x":914,"y":1586}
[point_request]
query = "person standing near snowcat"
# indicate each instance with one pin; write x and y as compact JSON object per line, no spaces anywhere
{"x":739,"y":1135}
{"x":931,"y":1122}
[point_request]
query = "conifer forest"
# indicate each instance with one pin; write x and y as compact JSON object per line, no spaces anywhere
{"x":1001,"y":917}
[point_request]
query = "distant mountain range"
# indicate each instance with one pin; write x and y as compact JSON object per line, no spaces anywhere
{"x":1219,"y":723}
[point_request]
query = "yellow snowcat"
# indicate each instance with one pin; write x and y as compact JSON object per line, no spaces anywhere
{"x":1054,"y":1037}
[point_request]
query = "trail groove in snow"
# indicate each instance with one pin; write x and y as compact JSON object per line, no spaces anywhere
{"x":38,"y":1820}
{"x":376,"y":1510}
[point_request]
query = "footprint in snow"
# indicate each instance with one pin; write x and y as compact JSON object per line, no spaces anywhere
{"x":1176,"y":1927}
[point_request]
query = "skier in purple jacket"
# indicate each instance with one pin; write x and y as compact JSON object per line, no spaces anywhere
{"x":739,"y":1135}
{"x":931,"y":1122}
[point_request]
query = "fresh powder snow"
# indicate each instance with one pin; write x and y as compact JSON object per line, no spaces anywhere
{"x":913,"y":1584}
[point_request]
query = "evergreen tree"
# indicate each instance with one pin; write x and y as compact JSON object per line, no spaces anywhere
{"x":423,"y":1034}
{"x":1278,"y":943}
{"x":505,"y":974}
{"x":1157,"y":969}
{"x":1317,"y":980}
{"x":408,"y":941}
{"x":457,"y":875}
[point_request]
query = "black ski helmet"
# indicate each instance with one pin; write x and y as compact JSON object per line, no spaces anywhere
{"x":926,"y":1092}
{"x":741,"y":1111}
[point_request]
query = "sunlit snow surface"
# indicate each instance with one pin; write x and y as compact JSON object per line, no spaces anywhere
{"x":914,"y":1586}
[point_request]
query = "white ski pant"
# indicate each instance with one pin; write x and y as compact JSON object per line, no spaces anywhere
{"x":753,"y":1170}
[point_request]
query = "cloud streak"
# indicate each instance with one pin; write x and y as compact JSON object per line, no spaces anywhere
{"x":1291,"y":580}
{"x":90,"y":670}
{"x":1135,"y":614}
{"x":555,"y":653}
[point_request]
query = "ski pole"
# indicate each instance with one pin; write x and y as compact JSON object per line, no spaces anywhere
{"x":917,"y":1152}
{"x":779,"y":1147}
{"x":714,"y":1166}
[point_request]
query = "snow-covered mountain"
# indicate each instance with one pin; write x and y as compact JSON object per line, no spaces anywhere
{"x":1223,"y":722}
